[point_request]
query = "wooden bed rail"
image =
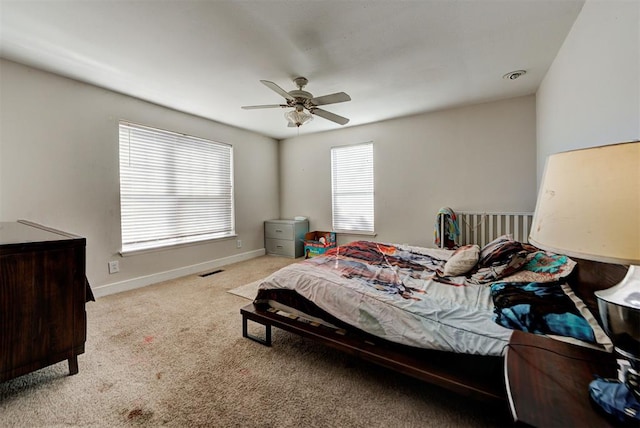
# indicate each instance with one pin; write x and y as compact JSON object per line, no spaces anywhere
{"x":476,"y":376}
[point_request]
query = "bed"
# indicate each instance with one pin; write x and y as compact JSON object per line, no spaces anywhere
{"x":443,"y":316}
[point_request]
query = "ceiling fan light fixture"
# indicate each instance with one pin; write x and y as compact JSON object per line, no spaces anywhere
{"x":298,"y":117}
{"x":301,"y":100}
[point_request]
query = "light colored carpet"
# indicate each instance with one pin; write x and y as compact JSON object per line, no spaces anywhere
{"x":248,"y":291}
{"x":173,"y":354}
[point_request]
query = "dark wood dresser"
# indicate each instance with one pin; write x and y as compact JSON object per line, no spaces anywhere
{"x":42,"y":298}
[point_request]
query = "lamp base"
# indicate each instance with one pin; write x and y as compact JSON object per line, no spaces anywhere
{"x":619,"y":308}
{"x":615,"y":399}
{"x":627,"y":292}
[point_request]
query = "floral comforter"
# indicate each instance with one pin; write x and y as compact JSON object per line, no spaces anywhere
{"x":390,"y":291}
{"x":399,"y":293}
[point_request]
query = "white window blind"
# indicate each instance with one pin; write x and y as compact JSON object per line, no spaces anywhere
{"x":174,"y":188}
{"x":352,"y":188}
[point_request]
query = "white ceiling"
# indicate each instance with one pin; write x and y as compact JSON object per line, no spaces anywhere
{"x":394,"y":58}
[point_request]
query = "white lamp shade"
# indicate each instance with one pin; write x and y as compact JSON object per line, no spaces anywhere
{"x":589,"y":204}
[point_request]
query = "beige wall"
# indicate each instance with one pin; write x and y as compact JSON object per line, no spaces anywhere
{"x":591,"y":94}
{"x":481,"y":157}
{"x":58,"y":151}
{"x":59,"y":167}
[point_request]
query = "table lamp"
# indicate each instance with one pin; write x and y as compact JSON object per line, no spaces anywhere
{"x":589,"y":207}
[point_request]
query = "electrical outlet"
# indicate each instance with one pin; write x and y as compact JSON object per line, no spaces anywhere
{"x":114,"y":266}
{"x":239,"y":243}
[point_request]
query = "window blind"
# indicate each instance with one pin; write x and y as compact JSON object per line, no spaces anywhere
{"x":174,"y":188}
{"x":352,"y":188}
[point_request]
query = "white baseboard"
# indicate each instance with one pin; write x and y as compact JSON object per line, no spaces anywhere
{"x":143,"y":281}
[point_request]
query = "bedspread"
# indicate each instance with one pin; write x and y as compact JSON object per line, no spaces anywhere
{"x":389,"y":291}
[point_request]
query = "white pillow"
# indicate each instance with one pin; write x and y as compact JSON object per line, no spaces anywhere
{"x":462,"y":260}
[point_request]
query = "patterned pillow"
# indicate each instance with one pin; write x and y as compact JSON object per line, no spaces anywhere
{"x":499,"y":251}
{"x":542,"y":266}
{"x":499,"y":258}
{"x":462,"y":260}
{"x":499,"y":269}
{"x":491,"y":245}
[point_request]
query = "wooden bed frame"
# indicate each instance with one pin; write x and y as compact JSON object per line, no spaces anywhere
{"x":474,"y":376}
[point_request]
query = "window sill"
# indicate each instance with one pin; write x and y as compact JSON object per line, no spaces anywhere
{"x":173,"y":246}
{"x":355,"y":232}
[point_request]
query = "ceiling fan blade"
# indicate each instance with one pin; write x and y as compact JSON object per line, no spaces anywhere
{"x":277,"y":89}
{"x":338,"y":97}
{"x":330,"y":116}
{"x":265,"y":106}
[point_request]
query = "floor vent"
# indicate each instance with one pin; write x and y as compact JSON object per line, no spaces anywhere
{"x":202,"y":275}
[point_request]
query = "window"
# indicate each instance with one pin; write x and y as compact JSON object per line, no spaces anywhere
{"x":174,"y":188}
{"x":352,"y":188}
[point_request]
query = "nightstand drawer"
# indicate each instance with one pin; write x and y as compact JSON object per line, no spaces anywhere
{"x":278,"y":230}
{"x":280,"y":246}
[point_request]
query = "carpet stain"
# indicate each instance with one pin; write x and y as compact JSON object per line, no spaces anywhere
{"x":105,"y":387}
{"x":139,"y":415}
{"x":159,"y":375}
{"x":121,"y":335}
{"x":148,"y":339}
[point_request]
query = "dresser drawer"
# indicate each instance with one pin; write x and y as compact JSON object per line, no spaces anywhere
{"x":278,"y":230}
{"x":280,"y":246}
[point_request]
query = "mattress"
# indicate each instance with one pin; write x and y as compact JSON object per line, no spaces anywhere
{"x":392,"y":292}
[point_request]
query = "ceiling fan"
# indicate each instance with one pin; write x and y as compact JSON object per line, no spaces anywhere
{"x":300,"y":100}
